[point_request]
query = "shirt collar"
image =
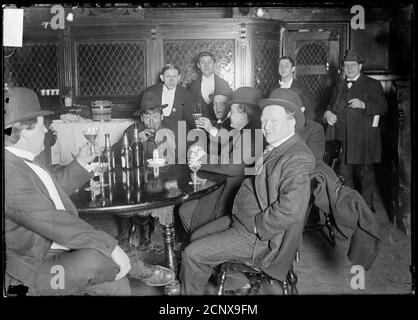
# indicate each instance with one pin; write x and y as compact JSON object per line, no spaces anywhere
{"x":210,"y":78}
{"x":278,"y":143}
{"x":168,"y":91}
{"x":21,"y":153}
{"x":281,"y":82}
{"x":354,"y":79}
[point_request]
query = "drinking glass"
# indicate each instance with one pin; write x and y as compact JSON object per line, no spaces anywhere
{"x":194,"y":166}
{"x":90,"y":133}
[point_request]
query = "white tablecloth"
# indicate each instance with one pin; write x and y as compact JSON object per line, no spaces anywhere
{"x":70,"y":136}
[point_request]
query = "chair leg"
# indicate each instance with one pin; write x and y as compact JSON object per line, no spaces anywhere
{"x":292,"y":279}
{"x":222,"y":278}
{"x":285,"y":287}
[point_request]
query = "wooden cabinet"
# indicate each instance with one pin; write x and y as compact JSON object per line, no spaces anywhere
{"x":116,"y":56}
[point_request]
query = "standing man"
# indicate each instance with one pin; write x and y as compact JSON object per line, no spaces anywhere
{"x":287,"y":69}
{"x":179,"y":101}
{"x":206,"y":84}
{"x":269,"y":210}
{"x":44,"y":236}
{"x":354,"y":113}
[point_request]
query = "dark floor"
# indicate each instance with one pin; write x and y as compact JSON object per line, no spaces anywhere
{"x":321,"y":269}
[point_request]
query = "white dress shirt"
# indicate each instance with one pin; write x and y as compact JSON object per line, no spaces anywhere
{"x":207,"y":87}
{"x":45,"y":178}
{"x":349,"y":84}
{"x":168,"y":98}
{"x":285,"y":85}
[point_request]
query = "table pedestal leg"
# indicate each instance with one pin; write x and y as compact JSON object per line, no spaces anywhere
{"x":166,"y":219}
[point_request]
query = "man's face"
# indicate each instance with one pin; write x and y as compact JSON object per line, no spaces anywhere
{"x":171,"y":78}
{"x":35,"y":137}
{"x":275,"y":123}
{"x":238,"y":117}
{"x":352,"y":69}
{"x":219,"y":106}
{"x":206,"y":65}
{"x":285,"y":68}
{"x":152,"y":119}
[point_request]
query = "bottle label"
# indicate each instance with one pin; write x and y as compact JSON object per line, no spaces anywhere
{"x":123,"y":161}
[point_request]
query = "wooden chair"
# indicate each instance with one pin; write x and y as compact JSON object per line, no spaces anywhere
{"x":287,"y":285}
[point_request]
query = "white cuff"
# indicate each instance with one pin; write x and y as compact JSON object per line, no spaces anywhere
{"x":213,"y":132}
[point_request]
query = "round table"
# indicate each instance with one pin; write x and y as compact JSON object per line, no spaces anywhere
{"x":142,"y":191}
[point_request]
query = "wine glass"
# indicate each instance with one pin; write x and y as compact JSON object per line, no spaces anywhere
{"x":194,"y":166}
{"x":90,"y":133}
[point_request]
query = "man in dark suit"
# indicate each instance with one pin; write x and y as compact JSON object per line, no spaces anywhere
{"x":206,"y":84}
{"x":178,"y":99}
{"x":269,"y":210}
{"x":355,"y":109}
{"x":287,"y":69}
{"x":49,"y":248}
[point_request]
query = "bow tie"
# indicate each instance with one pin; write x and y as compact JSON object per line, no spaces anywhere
{"x":269,"y":148}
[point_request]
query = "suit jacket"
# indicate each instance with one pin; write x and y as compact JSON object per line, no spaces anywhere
{"x":219,"y":202}
{"x":282,"y":191}
{"x":353,"y":218}
{"x":307,"y":99}
{"x":32,"y":221}
{"x":361,"y":141}
{"x":313,"y":135}
{"x":195,"y":89}
{"x":182,"y":108}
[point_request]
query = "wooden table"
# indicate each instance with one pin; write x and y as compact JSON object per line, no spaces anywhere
{"x":138,"y":192}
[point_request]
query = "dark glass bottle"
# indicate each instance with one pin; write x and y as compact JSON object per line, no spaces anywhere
{"x":108,"y":155}
{"x":137,"y":150}
{"x":126,"y":153}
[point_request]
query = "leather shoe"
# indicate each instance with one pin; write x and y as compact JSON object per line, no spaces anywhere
{"x":156,"y":276}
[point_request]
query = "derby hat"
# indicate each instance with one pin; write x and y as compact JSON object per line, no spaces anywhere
{"x":287,"y":99}
{"x":352,"y":55}
{"x":205,"y":54}
{"x":21,"y":104}
{"x":245,"y":95}
{"x":149,"y":100}
{"x":223,"y":90}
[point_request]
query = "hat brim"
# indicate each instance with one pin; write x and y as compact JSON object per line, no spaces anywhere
{"x":299,"y":116}
{"x":27,"y":116}
{"x":241,"y":101}
{"x":357,"y":60}
{"x":138,"y":112}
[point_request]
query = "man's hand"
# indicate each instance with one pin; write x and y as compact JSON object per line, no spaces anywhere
{"x":356,"y":104}
{"x":122,"y":260}
{"x":143,"y":135}
{"x":204,"y":123}
{"x":84,"y":155}
{"x":330,"y":117}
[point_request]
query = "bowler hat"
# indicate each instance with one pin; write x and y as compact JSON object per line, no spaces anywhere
{"x":149,"y":100}
{"x":352,"y":55}
{"x":287,"y":99}
{"x":245,"y":95}
{"x":223,"y":90}
{"x":21,"y":104}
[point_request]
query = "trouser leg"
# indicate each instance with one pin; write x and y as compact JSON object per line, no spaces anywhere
{"x":208,"y":251}
{"x":186,"y":212}
{"x":74,"y":272}
{"x":368,"y":184}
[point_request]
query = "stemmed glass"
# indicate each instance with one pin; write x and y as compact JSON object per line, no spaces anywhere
{"x":194,"y":165}
{"x":90,"y":133}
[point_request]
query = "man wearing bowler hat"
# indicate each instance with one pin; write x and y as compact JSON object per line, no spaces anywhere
{"x":152,"y":134}
{"x":354,"y":114}
{"x":269,"y":209}
{"x":49,"y":249}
